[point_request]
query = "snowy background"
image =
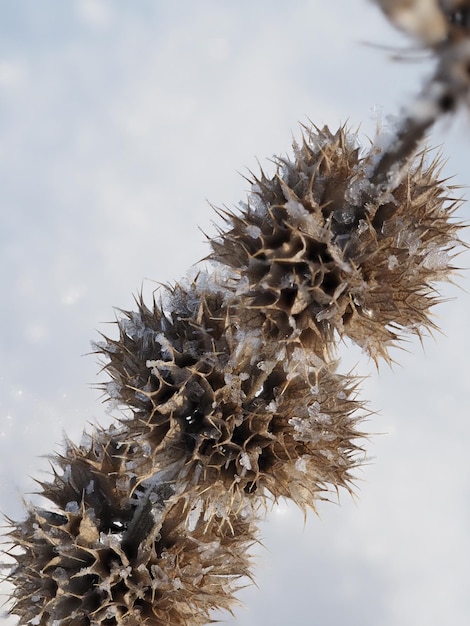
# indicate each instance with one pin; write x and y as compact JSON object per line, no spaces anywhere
{"x":119,"y":121}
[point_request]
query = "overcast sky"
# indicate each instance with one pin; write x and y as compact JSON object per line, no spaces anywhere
{"x":120,"y":122}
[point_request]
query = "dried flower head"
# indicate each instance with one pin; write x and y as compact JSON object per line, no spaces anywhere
{"x":241,"y":412}
{"x":96,"y":560}
{"x":320,"y":250}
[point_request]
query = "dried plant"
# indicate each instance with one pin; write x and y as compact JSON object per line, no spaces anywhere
{"x":230,"y":385}
{"x":119,"y":550}
{"x":212,"y":390}
{"x":319,"y":263}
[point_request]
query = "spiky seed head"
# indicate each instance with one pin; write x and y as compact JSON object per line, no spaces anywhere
{"x":77,"y":564}
{"x":319,"y":251}
{"x":233,"y":406}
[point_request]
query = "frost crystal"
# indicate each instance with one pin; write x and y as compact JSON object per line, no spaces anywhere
{"x":194,"y":515}
{"x":392,"y":262}
{"x":301,"y":465}
{"x":245,"y":461}
{"x":253,"y":231}
{"x":436,"y":260}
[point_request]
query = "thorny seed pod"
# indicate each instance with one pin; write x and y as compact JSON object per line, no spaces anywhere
{"x":241,"y":412}
{"x":87,"y":563}
{"x":320,"y":250}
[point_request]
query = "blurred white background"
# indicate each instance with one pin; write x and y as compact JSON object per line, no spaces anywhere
{"x":119,"y":122}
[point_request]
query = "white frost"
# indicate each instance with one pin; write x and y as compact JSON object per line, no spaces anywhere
{"x":436,"y":260}
{"x":72,"y":507}
{"x":301,"y":465}
{"x":245,"y":461}
{"x":194,"y":515}
{"x":253,"y":231}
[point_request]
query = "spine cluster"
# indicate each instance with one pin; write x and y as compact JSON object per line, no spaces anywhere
{"x":232,"y":393}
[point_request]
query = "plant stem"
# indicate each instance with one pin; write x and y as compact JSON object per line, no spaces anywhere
{"x":441,"y":94}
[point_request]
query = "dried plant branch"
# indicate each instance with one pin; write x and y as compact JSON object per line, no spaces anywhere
{"x":234,"y":393}
{"x":231,"y":385}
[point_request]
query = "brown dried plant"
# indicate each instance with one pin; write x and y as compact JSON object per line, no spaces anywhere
{"x":231,"y":391}
{"x":111,"y":551}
